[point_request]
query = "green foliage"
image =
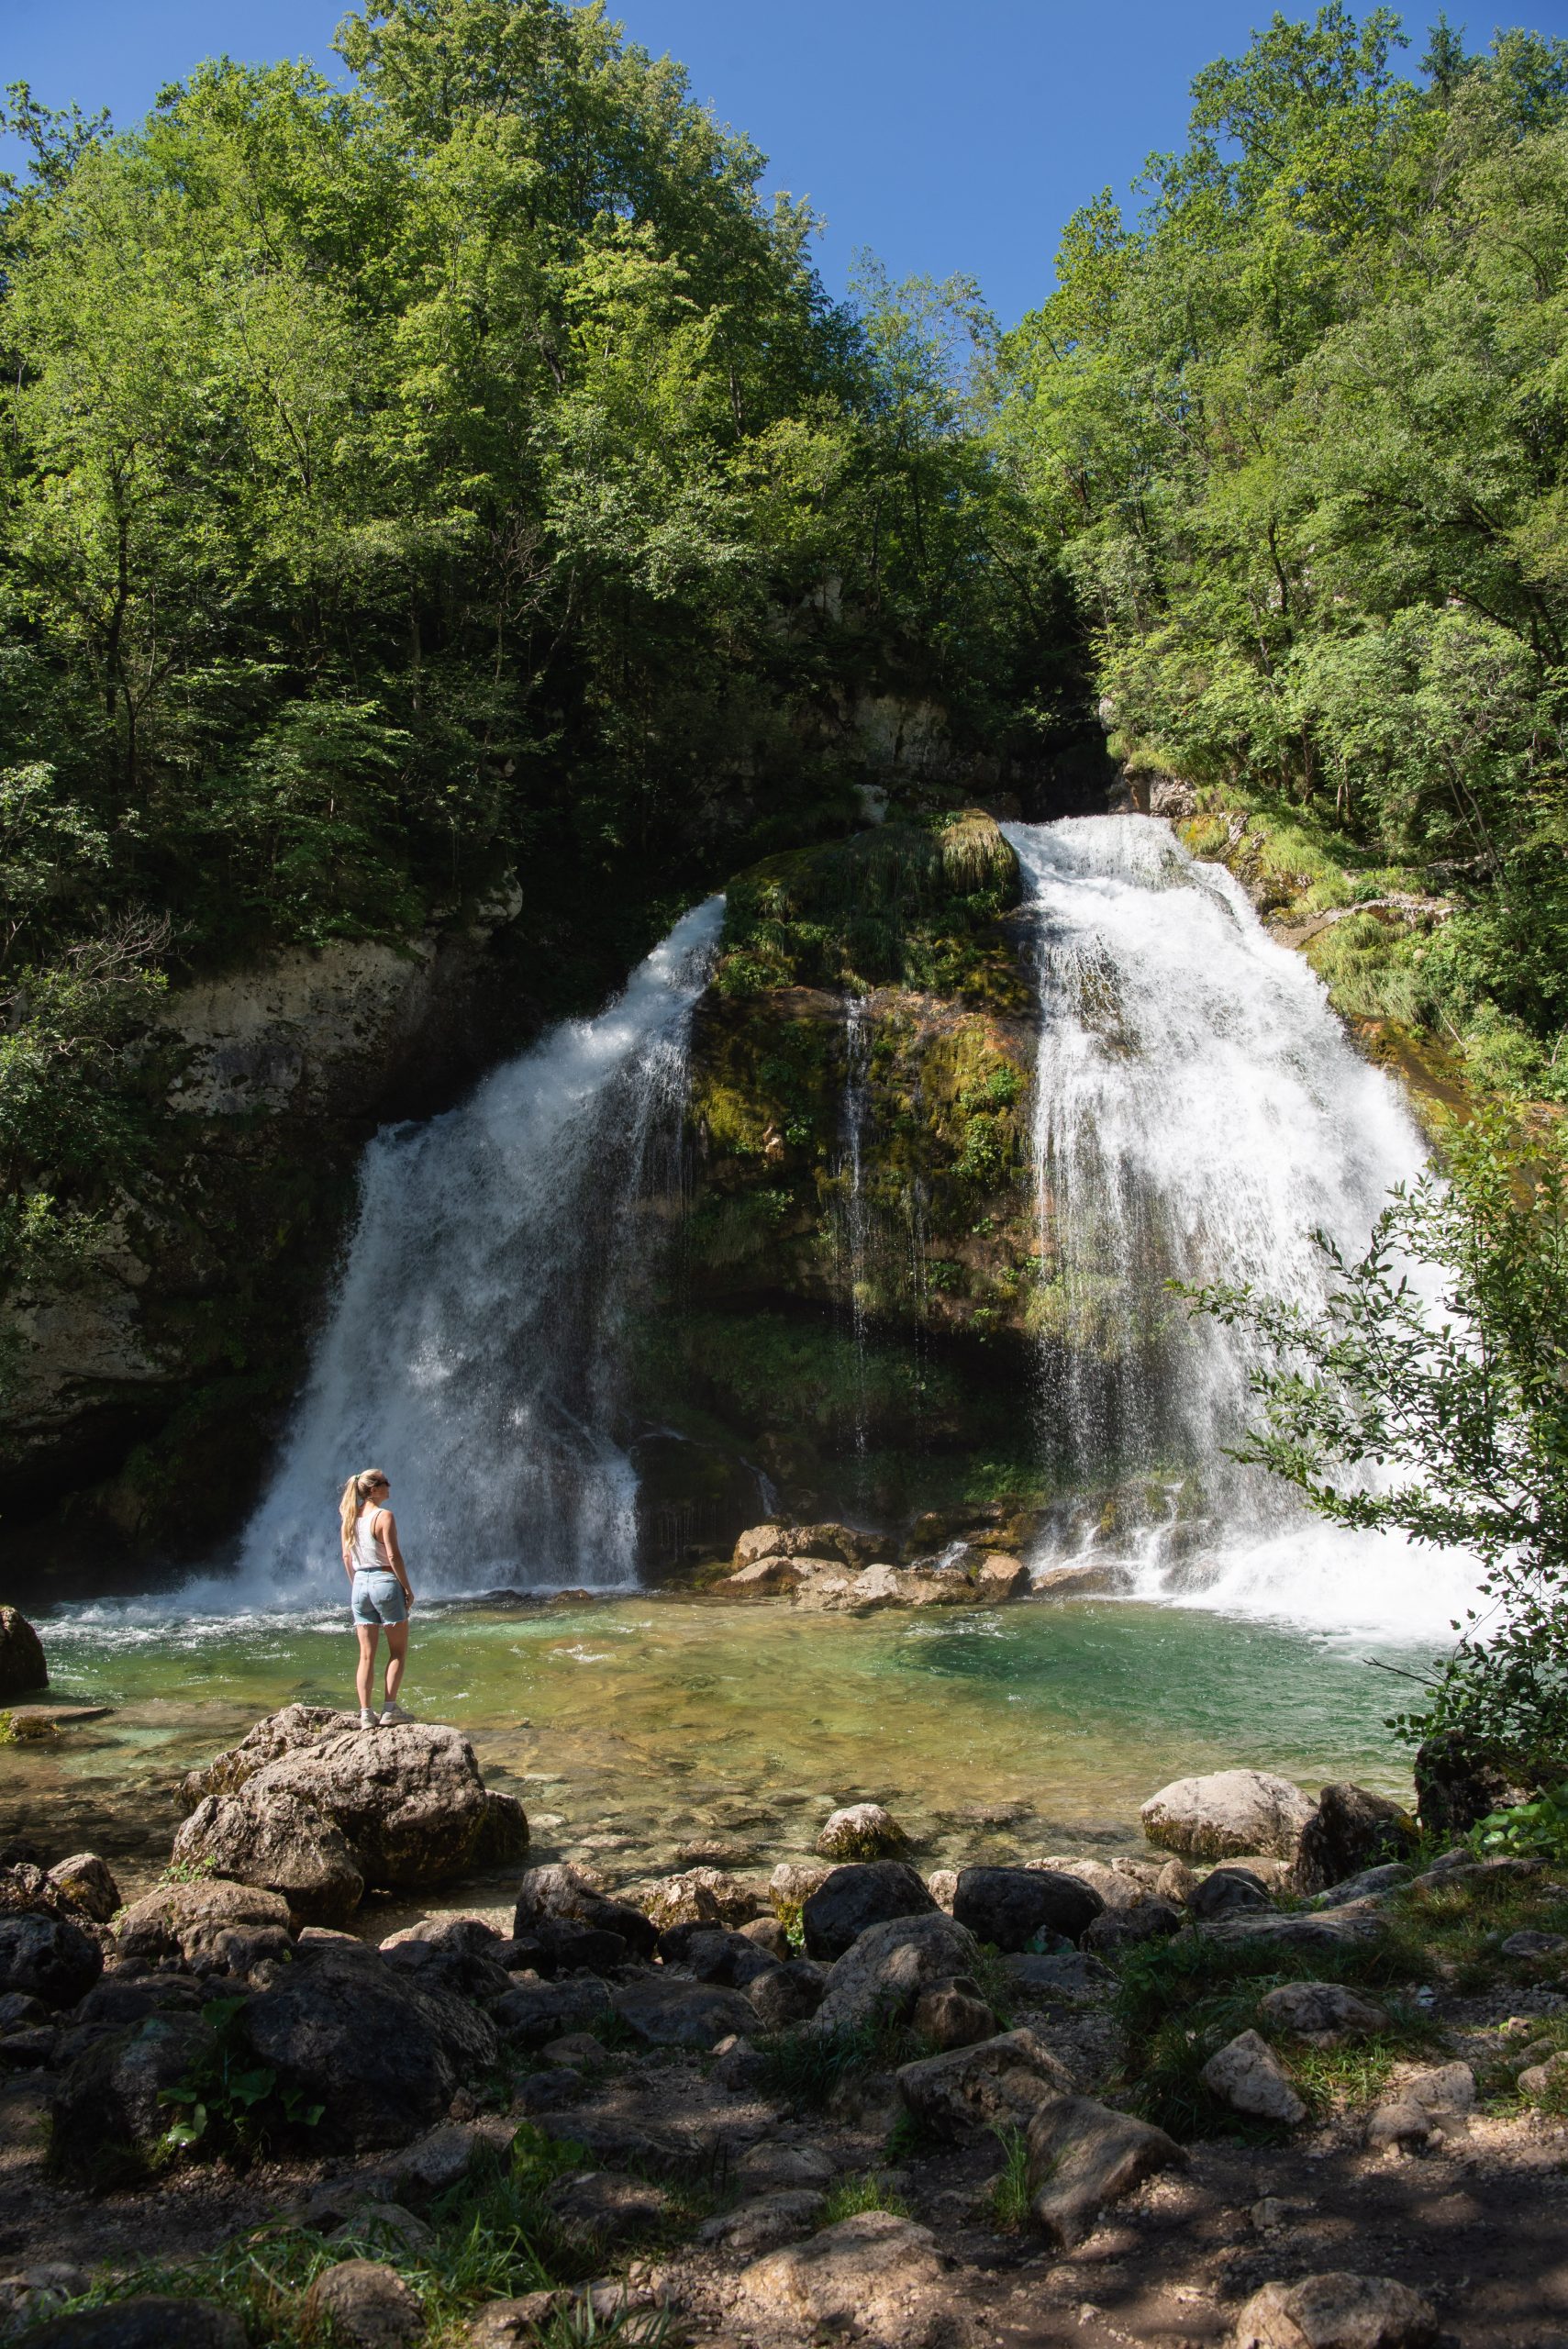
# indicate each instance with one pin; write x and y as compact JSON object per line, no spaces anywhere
{"x":870,"y":2191}
{"x":457,"y":475}
{"x":804,"y":2066}
{"x":1010,"y":2194}
{"x":227,"y":2103}
{"x":1526,"y":1831}
{"x":1458,"y":1402}
{"x":1297,"y":437}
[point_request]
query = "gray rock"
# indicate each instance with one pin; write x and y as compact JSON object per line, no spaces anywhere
{"x":1351,"y":1830}
{"x":36,"y":2291}
{"x":1010,"y":1907}
{"x":1400,"y":2125}
{"x":770,"y":1937}
{"x":1175,"y":1882}
{"x":289,"y":1731}
{"x":861,"y":1831}
{"x":107,"y":2116}
{"x":548,"y":2091}
{"x":1371,"y":1884}
{"x":47,"y":1958}
{"x":1247,"y":2075}
{"x":793,"y":1882}
{"x":1443,"y":2089}
{"x":1081,"y":2156}
{"x":851,"y":1899}
{"x":716,"y":1954}
{"x":761,"y":2225}
{"x":1459,"y":1780}
{"x":701,"y":1895}
{"x":22,"y":1665}
{"x":1540,"y":2080}
{"x":1227,"y":1813}
{"x":1115,"y":1930}
{"x":1070,"y":1978}
{"x":1228,"y":1892}
{"x":30,"y":2049}
{"x":199,"y":1925}
{"x":683,"y":2014}
{"x":1336,"y":2311}
{"x":390,"y":2053}
{"x":890,"y":1965}
{"x":408,"y":1805}
{"x":363,"y":2302}
{"x":953,"y":2014}
{"x":512,"y":2325}
{"x":998,"y":2081}
{"x":1529,"y":1944}
{"x":597,"y":2210}
{"x":788,"y":1995}
{"x":87,"y":1884}
{"x":565,"y":1893}
{"x":769,"y":2166}
{"x":1312,"y":1935}
{"x":532,"y":2013}
{"x":149,"y":2322}
{"x":1325,"y":2014}
{"x":20,"y":2010}
{"x":279,"y":1840}
{"x":875,"y":2273}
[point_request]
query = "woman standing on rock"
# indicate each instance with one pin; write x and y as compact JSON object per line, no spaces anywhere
{"x":378,"y":1582}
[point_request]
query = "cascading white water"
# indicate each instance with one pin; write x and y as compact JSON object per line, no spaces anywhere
{"x":1198,"y":1114}
{"x":472,"y":1349}
{"x":852,"y":1218}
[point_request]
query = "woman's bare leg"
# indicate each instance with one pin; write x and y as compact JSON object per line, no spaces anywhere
{"x":363,"y":1678}
{"x":396,"y":1655}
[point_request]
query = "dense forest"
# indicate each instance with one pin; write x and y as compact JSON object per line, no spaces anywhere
{"x":460,"y":476}
{"x":1298,"y":439}
{"x":459,"y":482}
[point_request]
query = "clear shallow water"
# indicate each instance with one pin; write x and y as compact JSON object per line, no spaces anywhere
{"x":651,"y":1730}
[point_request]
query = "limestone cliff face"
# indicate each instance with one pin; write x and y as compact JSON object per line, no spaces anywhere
{"x":145,"y":1394}
{"x":849,"y":1303}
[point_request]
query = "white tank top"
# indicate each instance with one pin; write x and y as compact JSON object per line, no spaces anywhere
{"x":370,"y":1558}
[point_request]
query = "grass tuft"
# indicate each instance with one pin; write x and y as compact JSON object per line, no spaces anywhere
{"x":1010,"y":2194}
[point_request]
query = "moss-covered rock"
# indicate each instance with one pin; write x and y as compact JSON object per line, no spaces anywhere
{"x":855,"y":1278}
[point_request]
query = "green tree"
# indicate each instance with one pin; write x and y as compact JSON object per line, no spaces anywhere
{"x":1430,"y":1399}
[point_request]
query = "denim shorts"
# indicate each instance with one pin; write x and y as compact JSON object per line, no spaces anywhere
{"x":378,"y":1598}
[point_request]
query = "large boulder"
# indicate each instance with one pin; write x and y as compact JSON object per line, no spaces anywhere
{"x":109,"y":2117}
{"x":382,"y":2054}
{"x":48,"y":1958}
{"x":1246,"y":2075}
{"x":1082,"y":2155}
{"x":22,"y":1665}
{"x":289,"y":1731}
{"x":875,"y":2273}
{"x":683,"y":2014}
{"x":87,"y":1884}
{"x":1011,"y":1908}
{"x":1351,"y":1830}
{"x":279,"y":1840}
{"x":997,"y":2083}
{"x":851,"y":1899}
{"x":210,"y":1927}
{"x":863,"y":1830}
{"x":1226,"y":1814}
{"x":1459,"y":1780}
{"x":563,"y":1892}
{"x":533,"y":2013}
{"x":883,"y":1972}
{"x":148,"y":2320}
{"x":701,"y":1895}
{"x":402,"y":1809}
{"x":1336,"y":2311}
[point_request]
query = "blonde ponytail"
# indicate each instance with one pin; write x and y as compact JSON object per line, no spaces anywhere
{"x":356,"y":1492}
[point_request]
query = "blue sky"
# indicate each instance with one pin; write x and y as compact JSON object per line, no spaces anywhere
{"x":946,"y":138}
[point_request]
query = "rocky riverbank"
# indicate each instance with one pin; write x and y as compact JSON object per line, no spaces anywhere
{"x":1169,"y":2095}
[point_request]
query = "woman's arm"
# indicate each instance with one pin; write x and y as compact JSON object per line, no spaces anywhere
{"x":387,"y":1529}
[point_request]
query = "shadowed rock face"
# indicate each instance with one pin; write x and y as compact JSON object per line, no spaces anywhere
{"x":22,"y":1665}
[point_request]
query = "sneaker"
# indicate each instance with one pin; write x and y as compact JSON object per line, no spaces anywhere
{"x":393,"y":1712}
{"x":367,"y":1718}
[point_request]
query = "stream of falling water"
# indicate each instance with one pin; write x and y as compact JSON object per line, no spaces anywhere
{"x":851,"y":1169}
{"x":1199,"y":1114}
{"x":473,"y":1346}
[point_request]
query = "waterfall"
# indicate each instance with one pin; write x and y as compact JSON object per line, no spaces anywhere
{"x":1198,"y":1114}
{"x":473,"y":1349}
{"x":852,"y":1126}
